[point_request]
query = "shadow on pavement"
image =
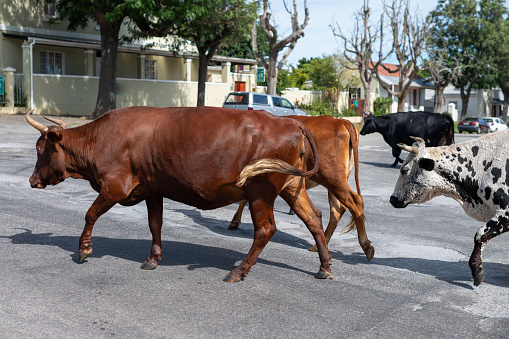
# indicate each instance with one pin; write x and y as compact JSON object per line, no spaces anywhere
{"x":454,"y":273}
{"x":174,"y":253}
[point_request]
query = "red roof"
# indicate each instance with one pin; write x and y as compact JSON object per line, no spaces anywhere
{"x":392,"y":67}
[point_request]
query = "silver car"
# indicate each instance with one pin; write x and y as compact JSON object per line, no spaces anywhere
{"x":274,"y":104}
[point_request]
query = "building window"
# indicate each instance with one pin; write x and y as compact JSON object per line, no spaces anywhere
{"x":238,"y":68}
{"x":415,"y":98}
{"x":354,"y":93}
{"x":52,"y":62}
{"x":151,"y":69}
{"x":50,"y":9}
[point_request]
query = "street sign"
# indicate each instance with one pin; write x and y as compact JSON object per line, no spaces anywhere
{"x":2,"y":86}
{"x":260,"y":75}
{"x":356,"y":103}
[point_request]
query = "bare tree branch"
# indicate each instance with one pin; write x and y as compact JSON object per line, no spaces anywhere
{"x":358,"y":49}
{"x":273,"y":66}
{"x":409,"y":36}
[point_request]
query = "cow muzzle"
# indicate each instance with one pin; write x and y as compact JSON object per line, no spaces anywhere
{"x":395,"y":202}
{"x":36,"y":184}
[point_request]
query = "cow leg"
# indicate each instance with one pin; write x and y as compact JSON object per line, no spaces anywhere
{"x":263,"y":219}
{"x":354,"y":203}
{"x":100,"y":206}
{"x":336,"y":211}
{"x":155,"y":222}
{"x":483,"y":235}
{"x":237,"y":218}
{"x":396,"y":151}
{"x":298,"y":199}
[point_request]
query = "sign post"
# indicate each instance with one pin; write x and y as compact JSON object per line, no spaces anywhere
{"x":260,"y":75}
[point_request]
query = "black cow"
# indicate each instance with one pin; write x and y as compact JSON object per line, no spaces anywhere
{"x":435,"y":129}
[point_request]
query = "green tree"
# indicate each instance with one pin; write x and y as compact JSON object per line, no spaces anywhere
{"x":324,"y":73}
{"x":493,"y":43}
{"x":469,"y":33}
{"x":209,"y":25}
{"x":242,"y":48}
{"x":109,"y":15}
{"x":502,"y":60}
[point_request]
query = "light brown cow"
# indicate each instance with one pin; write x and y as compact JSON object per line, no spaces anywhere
{"x":337,"y":141}
{"x":204,"y":157}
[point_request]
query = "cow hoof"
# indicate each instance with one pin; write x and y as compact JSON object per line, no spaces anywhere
{"x":231,"y":278}
{"x":234,"y":225}
{"x":313,"y":248}
{"x":84,"y":254}
{"x":147,"y":265}
{"x":370,"y":252}
{"x":323,"y":275}
{"x":478,"y":279}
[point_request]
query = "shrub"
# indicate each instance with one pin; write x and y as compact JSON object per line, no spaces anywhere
{"x":320,"y":107}
{"x":381,"y":106}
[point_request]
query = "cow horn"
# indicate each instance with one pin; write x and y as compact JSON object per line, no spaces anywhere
{"x":411,"y":149}
{"x":418,"y":139}
{"x":56,"y":121}
{"x":37,"y":125}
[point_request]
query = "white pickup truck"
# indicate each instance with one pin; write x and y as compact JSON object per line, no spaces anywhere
{"x":257,"y":101}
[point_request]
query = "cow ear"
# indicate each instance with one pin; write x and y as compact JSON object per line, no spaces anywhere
{"x":54,"y":136}
{"x":427,"y":164}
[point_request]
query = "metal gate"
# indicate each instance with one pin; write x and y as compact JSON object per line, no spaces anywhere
{"x":20,"y":98}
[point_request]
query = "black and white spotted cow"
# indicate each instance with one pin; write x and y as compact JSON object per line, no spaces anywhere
{"x":472,"y":173}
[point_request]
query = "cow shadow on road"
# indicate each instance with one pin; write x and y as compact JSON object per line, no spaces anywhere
{"x":454,"y":273}
{"x":245,"y":230}
{"x":382,"y":165}
{"x":175,"y":253}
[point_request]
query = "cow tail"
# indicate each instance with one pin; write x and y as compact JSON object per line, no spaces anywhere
{"x":354,"y":143}
{"x":277,"y":165}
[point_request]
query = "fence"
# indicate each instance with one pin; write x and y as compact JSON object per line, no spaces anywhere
{"x":19,"y":97}
{"x":19,"y":94}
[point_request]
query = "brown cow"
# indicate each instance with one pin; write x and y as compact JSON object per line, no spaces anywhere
{"x":204,"y":157}
{"x":337,"y":141}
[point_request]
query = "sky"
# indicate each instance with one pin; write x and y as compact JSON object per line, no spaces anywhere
{"x":318,"y":38}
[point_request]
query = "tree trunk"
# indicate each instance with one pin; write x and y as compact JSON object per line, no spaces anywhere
{"x":202,"y":78}
{"x":506,"y":104}
{"x":465,"y":97}
{"x":439,"y":99}
{"x":272,"y":73}
{"x":206,"y":53}
{"x":401,"y":102}
{"x":367,"y":98}
{"x":106,"y":96}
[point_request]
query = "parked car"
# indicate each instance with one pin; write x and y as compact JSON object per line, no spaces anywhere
{"x":470,"y":125}
{"x":274,"y":104}
{"x":495,"y":124}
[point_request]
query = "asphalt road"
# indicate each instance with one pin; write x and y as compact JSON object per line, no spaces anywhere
{"x":418,"y":285}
